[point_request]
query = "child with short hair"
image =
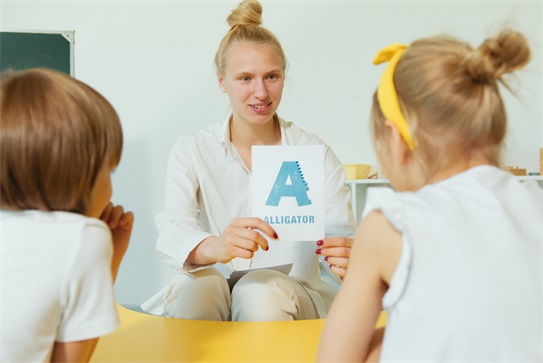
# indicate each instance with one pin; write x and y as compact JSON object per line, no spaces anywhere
{"x":454,"y":254}
{"x":59,"y":141}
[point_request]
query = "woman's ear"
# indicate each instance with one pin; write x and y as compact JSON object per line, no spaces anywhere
{"x":398,"y":147}
{"x":220,"y":80}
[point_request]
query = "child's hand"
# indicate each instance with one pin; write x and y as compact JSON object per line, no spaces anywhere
{"x":120,"y":223}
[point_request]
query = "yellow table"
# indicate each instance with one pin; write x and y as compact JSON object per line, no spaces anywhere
{"x":147,"y":338}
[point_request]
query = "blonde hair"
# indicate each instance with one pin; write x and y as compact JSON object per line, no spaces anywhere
{"x":56,"y":133}
{"x":449,"y":95}
{"x":245,"y":26}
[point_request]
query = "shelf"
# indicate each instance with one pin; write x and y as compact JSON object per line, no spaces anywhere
{"x":385,"y":181}
{"x":530,"y":177}
{"x":366,"y":181}
{"x":358,"y":193}
{"x":359,"y":188}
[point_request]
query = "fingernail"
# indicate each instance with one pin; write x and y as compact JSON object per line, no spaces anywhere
{"x":318,"y":251}
{"x":275,"y":235}
{"x":267,"y":248}
{"x":320,"y":242}
{"x":326,"y":258}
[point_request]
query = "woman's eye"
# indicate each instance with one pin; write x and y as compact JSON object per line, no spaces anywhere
{"x":244,"y":79}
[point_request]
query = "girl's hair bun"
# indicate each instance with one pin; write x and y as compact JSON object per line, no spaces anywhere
{"x":248,"y":12}
{"x":504,"y":53}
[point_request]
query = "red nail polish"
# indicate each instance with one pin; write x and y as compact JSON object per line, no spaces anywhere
{"x":275,"y":235}
{"x":326,"y":258}
{"x":320,"y":242}
{"x":267,"y":248}
{"x":318,"y":251}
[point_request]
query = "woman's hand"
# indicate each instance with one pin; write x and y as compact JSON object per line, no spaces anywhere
{"x":239,"y":239}
{"x":336,"y":251}
{"x":120,"y":223}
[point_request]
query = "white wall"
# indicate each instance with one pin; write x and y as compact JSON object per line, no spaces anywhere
{"x":153,"y":61}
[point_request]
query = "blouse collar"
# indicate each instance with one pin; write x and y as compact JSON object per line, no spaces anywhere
{"x":225,"y":132}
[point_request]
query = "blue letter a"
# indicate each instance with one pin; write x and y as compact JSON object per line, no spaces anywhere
{"x":297,"y":187}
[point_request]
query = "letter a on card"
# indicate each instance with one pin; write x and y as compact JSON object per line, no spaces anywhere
{"x":287,"y":184}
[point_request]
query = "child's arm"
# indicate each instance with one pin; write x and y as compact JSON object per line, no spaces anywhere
{"x":79,"y":351}
{"x":349,"y":332}
{"x":120,"y":223}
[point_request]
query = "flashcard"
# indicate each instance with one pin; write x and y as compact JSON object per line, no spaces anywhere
{"x":288,"y":190}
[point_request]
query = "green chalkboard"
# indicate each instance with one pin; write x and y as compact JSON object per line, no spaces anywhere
{"x":23,"y":50}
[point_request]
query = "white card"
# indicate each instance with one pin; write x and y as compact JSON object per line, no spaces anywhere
{"x":288,"y":190}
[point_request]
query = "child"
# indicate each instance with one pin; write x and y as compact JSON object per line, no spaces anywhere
{"x":454,"y":255}
{"x":59,"y":141}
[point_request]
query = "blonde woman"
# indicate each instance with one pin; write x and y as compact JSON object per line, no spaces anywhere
{"x":205,"y":232}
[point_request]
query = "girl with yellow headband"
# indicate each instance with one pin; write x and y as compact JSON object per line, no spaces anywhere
{"x":453,"y":255}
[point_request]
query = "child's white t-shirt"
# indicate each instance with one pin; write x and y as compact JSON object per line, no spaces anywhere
{"x":468,"y":286}
{"x":56,"y":282}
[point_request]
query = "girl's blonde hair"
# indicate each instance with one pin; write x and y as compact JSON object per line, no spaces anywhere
{"x":245,"y":26}
{"x":449,"y":96}
{"x":56,"y":133}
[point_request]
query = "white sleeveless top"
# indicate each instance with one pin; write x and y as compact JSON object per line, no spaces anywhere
{"x":469,"y":282}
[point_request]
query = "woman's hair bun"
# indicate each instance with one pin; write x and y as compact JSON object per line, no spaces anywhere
{"x":248,"y":12}
{"x":504,"y":53}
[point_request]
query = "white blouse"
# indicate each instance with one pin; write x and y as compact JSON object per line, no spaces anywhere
{"x":208,"y":185}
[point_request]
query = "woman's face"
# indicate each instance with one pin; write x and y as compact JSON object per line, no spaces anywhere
{"x":253,"y":79}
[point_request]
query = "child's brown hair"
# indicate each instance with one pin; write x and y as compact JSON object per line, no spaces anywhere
{"x":56,"y":133}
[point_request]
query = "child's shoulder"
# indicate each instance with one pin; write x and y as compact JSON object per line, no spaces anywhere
{"x":35,"y":220}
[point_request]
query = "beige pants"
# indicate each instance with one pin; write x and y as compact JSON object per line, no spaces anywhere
{"x":261,"y":295}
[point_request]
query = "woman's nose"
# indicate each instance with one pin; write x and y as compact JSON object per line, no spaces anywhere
{"x":260,"y":90}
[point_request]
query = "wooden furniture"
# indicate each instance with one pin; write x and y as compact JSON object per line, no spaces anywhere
{"x":148,"y":338}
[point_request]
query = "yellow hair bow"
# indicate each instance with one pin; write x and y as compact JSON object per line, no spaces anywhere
{"x":386,"y":92}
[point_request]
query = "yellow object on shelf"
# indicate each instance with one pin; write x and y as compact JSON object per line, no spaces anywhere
{"x":357,"y":171}
{"x":515,"y":170}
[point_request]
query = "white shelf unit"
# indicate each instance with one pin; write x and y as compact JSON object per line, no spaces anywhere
{"x":359,"y":188}
{"x":358,"y":193}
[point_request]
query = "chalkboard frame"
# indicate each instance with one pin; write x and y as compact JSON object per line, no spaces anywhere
{"x":33,"y":43}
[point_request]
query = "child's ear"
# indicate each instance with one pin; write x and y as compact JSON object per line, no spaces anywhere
{"x":220,"y":80}
{"x":399,"y":149}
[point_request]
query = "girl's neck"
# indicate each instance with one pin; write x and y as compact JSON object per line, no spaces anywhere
{"x":455,"y":168}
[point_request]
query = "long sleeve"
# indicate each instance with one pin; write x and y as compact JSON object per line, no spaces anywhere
{"x":179,"y":227}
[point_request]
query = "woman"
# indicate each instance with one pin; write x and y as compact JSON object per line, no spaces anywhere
{"x":205,"y":232}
